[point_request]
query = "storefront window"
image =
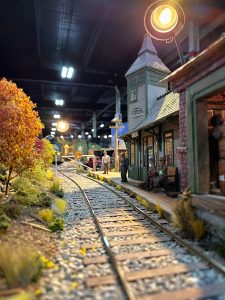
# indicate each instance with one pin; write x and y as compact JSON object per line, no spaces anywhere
{"x":132,"y":154}
{"x":150,"y":148}
{"x":168,"y":142}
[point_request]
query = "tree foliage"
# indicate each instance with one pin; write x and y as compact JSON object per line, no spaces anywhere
{"x":20,"y":126}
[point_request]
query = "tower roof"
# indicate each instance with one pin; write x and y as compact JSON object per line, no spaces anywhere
{"x":147,"y":57}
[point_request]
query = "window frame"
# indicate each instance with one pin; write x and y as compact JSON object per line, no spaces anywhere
{"x":172,"y":146}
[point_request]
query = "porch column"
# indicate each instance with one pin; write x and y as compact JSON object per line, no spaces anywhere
{"x":94,"y":125}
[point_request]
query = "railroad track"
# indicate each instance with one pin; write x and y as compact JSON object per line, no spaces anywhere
{"x":148,"y":260}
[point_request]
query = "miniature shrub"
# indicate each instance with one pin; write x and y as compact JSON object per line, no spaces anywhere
{"x":60,"y":206}
{"x":45,"y":200}
{"x":183,"y":217}
{"x":50,"y":174}
{"x":119,"y":187}
{"x":198,"y":229}
{"x":56,"y":224}
{"x":159,"y":210}
{"x":12,"y":209}
{"x":26,"y":192}
{"x":55,"y":188}
{"x":46,"y":215}
{"x":20,"y":266}
{"x":4,"y":223}
{"x":22,"y":296}
{"x":37,"y":175}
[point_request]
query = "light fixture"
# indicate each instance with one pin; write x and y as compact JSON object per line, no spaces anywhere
{"x":67,"y":72}
{"x":62,"y":126}
{"x":92,"y":130}
{"x":59,"y":102}
{"x":54,"y":124}
{"x":164,"y":19}
{"x":110,"y":136}
{"x":72,"y":136}
{"x":89,"y":136}
{"x":52,"y":133}
{"x":102,"y":125}
{"x":105,"y":136}
{"x":56,"y":116}
{"x":86,"y":133}
{"x":79,"y":136}
{"x":61,"y":137}
{"x":53,"y":129}
{"x":99,"y":137}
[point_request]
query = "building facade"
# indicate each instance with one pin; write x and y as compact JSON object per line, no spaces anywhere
{"x":153,"y":113}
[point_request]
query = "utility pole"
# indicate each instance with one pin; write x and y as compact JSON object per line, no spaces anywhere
{"x":118,"y":125}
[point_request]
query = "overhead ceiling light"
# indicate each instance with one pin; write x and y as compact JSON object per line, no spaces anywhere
{"x":102,"y":125}
{"x":92,"y":130}
{"x":57,"y":116}
{"x":67,"y":72}
{"x":53,"y":129}
{"x":105,"y":136}
{"x":59,"y":102}
{"x":54,"y":124}
{"x":72,"y":136}
{"x":89,"y":136}
{"x":110,"y":135}
{"x":61,"y":137}
{"x":52,"y":133}
{"x":64,"y":72}
{"x":62,"y":126}
{"x":99,"y":137}
{"x":79,"y":136}
{"x":86,"y":133}
{"x":70,"y":72}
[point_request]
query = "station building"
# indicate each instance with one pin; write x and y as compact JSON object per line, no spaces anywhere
{"x":201,"y":85}
{"x":153,"y":113}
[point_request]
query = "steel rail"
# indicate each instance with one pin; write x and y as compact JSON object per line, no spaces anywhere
{"x":192,"y":249}
{"x":118,"y":270}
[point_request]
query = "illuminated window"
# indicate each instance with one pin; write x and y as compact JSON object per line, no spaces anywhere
{"x":132,"y":154}
{"x":133,"y":96}
{"x":168,"y":142}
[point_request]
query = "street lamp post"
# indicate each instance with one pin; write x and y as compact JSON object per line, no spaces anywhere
{"x":118,"y":125}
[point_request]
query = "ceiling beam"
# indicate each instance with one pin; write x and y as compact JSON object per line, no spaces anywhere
{"x":63,"y":83}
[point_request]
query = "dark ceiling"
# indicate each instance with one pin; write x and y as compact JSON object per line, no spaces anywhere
{"x":99,"y":38}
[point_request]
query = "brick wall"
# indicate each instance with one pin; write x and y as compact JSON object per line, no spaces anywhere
{"x":182,"y":149}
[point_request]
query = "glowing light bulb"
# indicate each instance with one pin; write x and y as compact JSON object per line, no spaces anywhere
{"x":165,"y":16}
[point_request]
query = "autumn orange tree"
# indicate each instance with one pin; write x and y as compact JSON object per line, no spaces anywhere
{"x":20,"y":126}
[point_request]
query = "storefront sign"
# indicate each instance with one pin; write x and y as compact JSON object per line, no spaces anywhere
{"x":137,"y":112}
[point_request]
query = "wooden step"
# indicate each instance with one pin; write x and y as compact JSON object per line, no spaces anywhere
{"x":136,"y":255}
{"x":211,"y":290}
{"x":137,"y":275}
{"x":127,"y":242}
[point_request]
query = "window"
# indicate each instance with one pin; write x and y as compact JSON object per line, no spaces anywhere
{"x":145,"y":143}
{"x":168,"y":142}
{"x":132,"y":154}
{"x":133,"y":96}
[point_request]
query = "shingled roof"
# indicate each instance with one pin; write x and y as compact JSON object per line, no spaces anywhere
{"x":163,"y":107}
{"x":147,"y":57}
